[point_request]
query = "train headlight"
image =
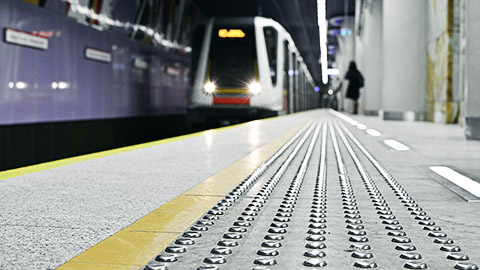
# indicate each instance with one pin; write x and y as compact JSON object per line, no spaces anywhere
{"x":210,"y":87}
{"x":255,"y":88}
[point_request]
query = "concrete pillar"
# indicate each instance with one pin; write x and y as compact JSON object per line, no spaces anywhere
{"x":371,"y":36}
{"x":472,"y":60}
{"x":345,"y":54}
{"x":404,"y":59}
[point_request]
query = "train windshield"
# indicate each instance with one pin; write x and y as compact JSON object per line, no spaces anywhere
{"x":232,"y":56}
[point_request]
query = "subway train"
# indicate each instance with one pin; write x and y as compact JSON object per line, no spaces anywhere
{"x":247,"y":68}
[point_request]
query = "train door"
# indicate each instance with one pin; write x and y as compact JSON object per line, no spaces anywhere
{"x":286,"y":78}
{"x":295,"y":83}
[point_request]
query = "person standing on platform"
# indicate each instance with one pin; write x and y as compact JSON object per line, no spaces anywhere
{"x":355,"y":82}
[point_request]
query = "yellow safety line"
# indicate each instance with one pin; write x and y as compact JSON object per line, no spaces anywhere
{"x":67,"y":161}
{"x":138,"y":243}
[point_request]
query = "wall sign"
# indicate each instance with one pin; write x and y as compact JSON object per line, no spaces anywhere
{"x":98,"y":55}
{"x":172,"y":71}
{"x":18,"y":37}
{"x":139,"y":63}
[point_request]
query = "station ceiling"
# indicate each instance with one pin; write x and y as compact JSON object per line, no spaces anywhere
{"x":299,"y":17}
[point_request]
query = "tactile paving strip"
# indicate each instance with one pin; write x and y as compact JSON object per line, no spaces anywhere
{"x":284,"y":217}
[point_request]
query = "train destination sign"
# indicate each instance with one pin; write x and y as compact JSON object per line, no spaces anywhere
{"x":98,"y":55}
{"x":21,"y":38}
{"x":232,"y":33}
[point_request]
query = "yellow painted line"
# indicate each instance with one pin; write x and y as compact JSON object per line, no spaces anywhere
{"x":90,"y":266}
{"x":68,"y":161}
{"x":140,"y":242}
{"x":231,"y":91}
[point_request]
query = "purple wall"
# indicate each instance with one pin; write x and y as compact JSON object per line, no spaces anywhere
{"x":94,"y":90}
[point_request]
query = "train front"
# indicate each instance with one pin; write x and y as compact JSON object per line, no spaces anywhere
{"x":229,"y":85}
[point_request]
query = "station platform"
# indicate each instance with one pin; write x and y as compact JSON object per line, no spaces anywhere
{"x":317,"y":189}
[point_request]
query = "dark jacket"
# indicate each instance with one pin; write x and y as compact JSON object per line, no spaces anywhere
{"x":355,"y":79}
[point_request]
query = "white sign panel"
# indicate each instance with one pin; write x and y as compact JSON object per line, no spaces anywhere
{"x":171,"y":71}
{"x":98,"y":55}
{"x":13,"y":36}
{"x":139,"y":63}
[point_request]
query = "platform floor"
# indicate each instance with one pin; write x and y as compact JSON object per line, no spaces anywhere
{"x":141,"y":199}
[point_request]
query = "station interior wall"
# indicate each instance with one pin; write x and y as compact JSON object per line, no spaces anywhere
{"x":417,"y":57}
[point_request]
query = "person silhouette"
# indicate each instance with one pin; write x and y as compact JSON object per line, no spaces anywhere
{"x":355,"y":82}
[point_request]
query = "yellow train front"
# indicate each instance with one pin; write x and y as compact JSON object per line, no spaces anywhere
{"x":248,"y":68}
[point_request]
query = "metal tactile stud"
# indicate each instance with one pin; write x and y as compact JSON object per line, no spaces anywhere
{"x":156,"y":267}
{"x":255,"y":204}
{"x":317,"y":226}
{"x":358,"y":239}
{"x":272,"y":244}
{"x":356,"y":232}
{"x":273,"y":237}
{"x":450,"y":248}
{"x":205,"y":223}
{"x":267,"y":252}
{"x":393,"y":227}
{"x":237,"y":229}
{"x":314,"y":262}
{"x":210,"y":217}
{"x":166,"y":258}
{"x":466,"y":266}
{"x":353,"y":221}
{"x":387,"y":217}
{"x":360,"y":246}
{"x":242,"y":224}
{"x":280,"y":219}
{"x":215,"y":260}
{"x":215,"y":212}
{"x":415,"y":265}
{"x":320,"y":219}
{"x":315,"y":245}
{"x":314,"y":253}
{"x":279,"y":214}
{"x":277,"y":230}
{"x":227,"y":243}
{"x":365,"y":264}
{"x":432,"y":228}
{"x":221,"y":251}
{"x":405,"y":247}
{"x":192,"y":234}
{"x":437,"y":234}
{"x":443,"y":241}
{"x":249,"y":213}
{"x":426,"y":222}
{"x":284,"y":205}
{"x":457,"y":256}
{"x":401,"y":240}
{"x":390,"y":222}
{"x":175,"y":249}
{"x":362,"y":255}
{"x":396,"y":233}
{"x":185,"y":242}
{"x":315,"y":238}
{"x":411,"y":256}
{"x":316,"y":231}
{"x":199,"y":228}
{"x":265,"y":262}
{"x":232,"y":236}
{"x":279,"y":225}
{"x":242,"y":218}
{"x":355,"y":227}
{"x":423,"y":218}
